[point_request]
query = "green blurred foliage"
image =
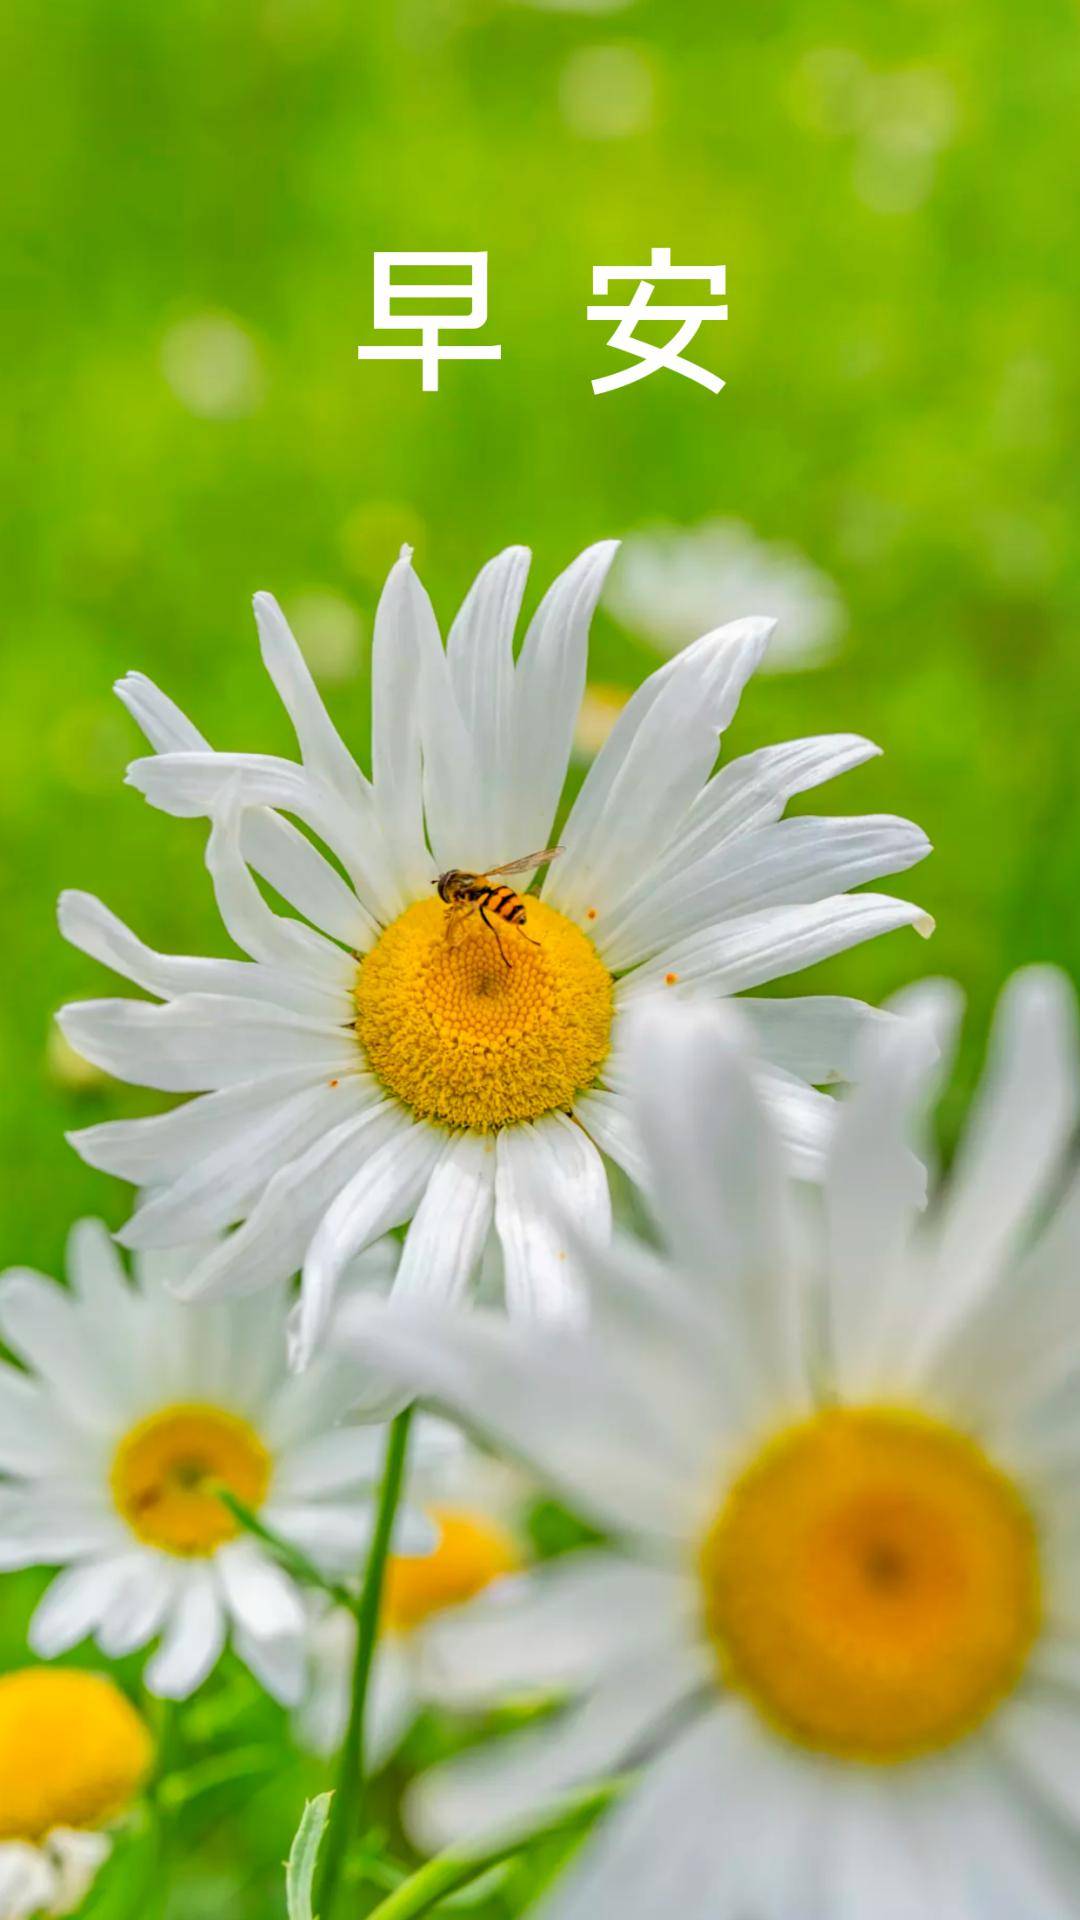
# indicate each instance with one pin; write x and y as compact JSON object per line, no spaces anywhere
{"x":193,"y":194}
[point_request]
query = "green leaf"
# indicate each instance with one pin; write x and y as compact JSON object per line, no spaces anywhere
{"x":300,"y":1871}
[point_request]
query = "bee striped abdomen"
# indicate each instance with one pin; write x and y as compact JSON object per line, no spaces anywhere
{"x":507,"y":904}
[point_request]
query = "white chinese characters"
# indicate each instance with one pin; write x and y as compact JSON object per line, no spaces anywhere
{"x":430,"y":308}
{"x":395,"y":310}
{"x":650,"y":356}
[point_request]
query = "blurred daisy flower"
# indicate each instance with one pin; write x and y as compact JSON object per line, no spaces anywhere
{"x":672,"y":583}
{"x":474,"y":1505}
{"x":73,"y":1756}
{"x":452,"y":1069}
{"x":839,"y":1452}
{"x":133,"y":1411}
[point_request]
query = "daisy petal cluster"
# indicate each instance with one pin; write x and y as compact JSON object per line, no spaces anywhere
{"x":130,"y":1415}
{"x":380,"y":1058}
{"x":834,"y":1448}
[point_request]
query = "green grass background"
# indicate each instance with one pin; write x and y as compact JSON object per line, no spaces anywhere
{"x":901,"y":360}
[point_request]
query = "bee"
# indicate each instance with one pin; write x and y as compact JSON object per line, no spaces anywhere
{"x":464,"y":891}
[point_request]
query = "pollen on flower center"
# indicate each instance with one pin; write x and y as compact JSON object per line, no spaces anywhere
{"x":166,"y":1471}
{"x":73,"y":1751}
{"x":469,"y":1038}
{"x":473,"y":1550}
{"x":872,"y":1583}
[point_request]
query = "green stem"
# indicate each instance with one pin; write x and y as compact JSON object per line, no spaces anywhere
{"x":451,"y":1871}
{"x":293,"y":1559}
{"x":347,"y":1803}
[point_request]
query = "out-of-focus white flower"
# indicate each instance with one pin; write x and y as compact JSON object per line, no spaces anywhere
{"x":673,"y":582}
{"x":418,"y":1061}
{"x":838,"y":1452}
{"x":73,"y":1756}
{"x":213,"y":366}
{"x":607,"y":93}
{"x":133,"y":1411}
{"x":474,"y":1504}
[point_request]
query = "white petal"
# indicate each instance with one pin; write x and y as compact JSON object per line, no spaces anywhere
{"x":406,"y":650}
{"x":383,"y":1194}
{"x":259,"y":1595}
{"x":203,"y":1041}
{"x":480,"y":662}
{"x":137,"y":1614}
{"x":77,"y":1857}
{"x":275,"y":848}
{"x":875,"y":1188}
{"x":160,"y":1149}
{"x":753,"y":791}
{"x":69,"y":1347}
{"x":608,"y":1120}
{"x":321,"y":969}
{"x":547,"y":1173}
{"x":549,"y":689}
{"x":48,"y":1526}
{"x":488,"y":1791}
{"x":802,"y":1118}
{"x":27,"y":1880}
{"x":740,"y":954}
{"x":448,"y":1231}
{"x":278,"y":1664}
{"x":793,"y":862}
{"x":336,"y":1461}
{"x":555,"y":1629}
{"x":159,"y":718}
{"x":818,"y":1037}
{"x":77,"y":1601}
{"x":96,"y":1272}
{"x":651,"y":769}
{"x":322,"y":749}
{"x":192,"y":785}
{"x":717,"y":1181}
{"x":720,"y":1827}
{"x":90,"y":926}
{"x":36,"y":1435}
{"x":1040,"y":1735}
{"x":272,"y":1242}
{"x":556,"y":1397}
{"x":392,"y":1703}
{"x":193,"y":1639}
{"x":1011,"y":1154}
{"x":221,"y":1187}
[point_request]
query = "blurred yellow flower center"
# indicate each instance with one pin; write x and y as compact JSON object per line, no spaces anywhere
{"x":469,"y":1038}
{"x":872,"y":1583}
{"x":73,"y":1752}
{"x":166,"y":1470}
{"x":473,"y":1551}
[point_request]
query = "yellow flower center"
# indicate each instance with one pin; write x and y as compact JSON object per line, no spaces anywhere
{"x":872,"y":1583}
{"x":166,"y":1471}
{"x":473,"y":1551}
{"x":73,"y":1751}
{"x":471,"y":1036}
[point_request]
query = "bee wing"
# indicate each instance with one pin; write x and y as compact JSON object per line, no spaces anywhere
{"x":527,"y":860}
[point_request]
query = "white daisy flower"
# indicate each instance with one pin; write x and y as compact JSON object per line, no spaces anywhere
{"x":473,"y":1503}
{"x":837,"y":1447}
{"x":673,"y":582}
{"x":132,"y":1408}
{"x":73,"y":1756}
{"x":415,"y":1062}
